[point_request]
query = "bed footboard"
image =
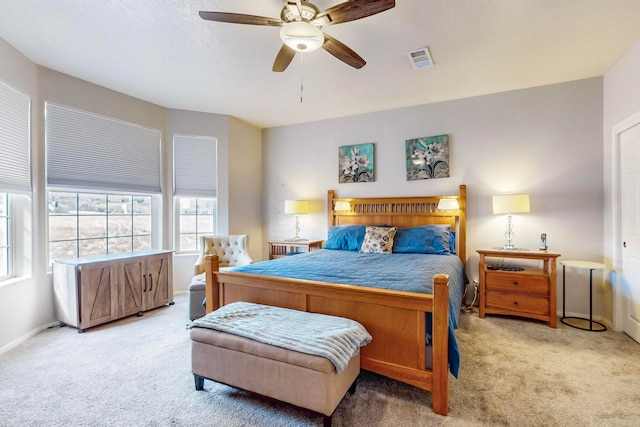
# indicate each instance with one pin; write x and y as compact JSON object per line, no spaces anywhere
{"x":396,"y":320}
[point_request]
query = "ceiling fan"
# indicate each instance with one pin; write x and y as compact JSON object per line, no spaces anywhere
{"x":301,"y":24}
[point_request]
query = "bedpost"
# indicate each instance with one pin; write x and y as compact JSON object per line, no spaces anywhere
{"x":331,"y":194}
{"x":440,"y":334}
{"x":211,"y":265}
{"x":462,"y":223}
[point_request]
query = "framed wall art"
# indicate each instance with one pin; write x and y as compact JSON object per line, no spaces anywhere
{"x":427,"y":157}
{"x":355,"y":163}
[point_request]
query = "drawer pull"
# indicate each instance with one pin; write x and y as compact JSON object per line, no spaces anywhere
{"x":515,"y":283}
{"x":515,"y":303}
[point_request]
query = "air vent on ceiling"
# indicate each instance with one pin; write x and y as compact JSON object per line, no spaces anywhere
{"x":420,"y":58}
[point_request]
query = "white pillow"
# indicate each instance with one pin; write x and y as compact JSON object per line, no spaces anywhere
{"x":378,"y":240}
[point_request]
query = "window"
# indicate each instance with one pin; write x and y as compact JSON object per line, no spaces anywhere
{"x":104,"y":177}
{"x":5,"y":260}
{"x":195,"y":193}
{"x":15,"y":178}
{"x":83,"y":224}
{"x":197,"y":217}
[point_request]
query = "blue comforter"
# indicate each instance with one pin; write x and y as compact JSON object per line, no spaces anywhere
{"x":402,"y":272}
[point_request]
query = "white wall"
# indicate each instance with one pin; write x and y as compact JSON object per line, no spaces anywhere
{"x":25,"y":303}
{"x":245,"y":184}
{"x":621,"y":100}
{"x":545,"y":141}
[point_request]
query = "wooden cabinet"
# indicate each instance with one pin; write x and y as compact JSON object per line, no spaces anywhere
{"x":530,"y":292}
{"x":146,"y":283}
{"x":282,"y":248}
{"x":94,"y":290}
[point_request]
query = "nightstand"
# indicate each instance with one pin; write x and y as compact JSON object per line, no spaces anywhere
{"x":529,"y":292}
{"x":282,"y":248}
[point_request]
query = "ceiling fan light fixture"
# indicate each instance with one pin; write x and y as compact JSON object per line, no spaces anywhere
{"x":301,"y":36}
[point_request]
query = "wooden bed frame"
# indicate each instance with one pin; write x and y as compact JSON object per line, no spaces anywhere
{"x":395,"y":320}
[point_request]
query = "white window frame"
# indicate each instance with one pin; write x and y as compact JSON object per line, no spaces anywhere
{"x":154,"y":214}
{"x":87,"y":153}
{"x":198,"y":233}
{"x":6,"y":245}
{"x":194,"y":153}
{"x":15,"y":179}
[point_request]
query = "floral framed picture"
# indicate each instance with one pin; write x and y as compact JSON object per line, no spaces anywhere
{"x":427,"y":157}
{"x":355,"y":163}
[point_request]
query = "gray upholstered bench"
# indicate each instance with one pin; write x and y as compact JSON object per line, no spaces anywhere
{"x":301,"y":379}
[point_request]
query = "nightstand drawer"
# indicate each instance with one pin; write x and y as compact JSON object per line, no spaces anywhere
{"x":518,"y":302}
{"x":517,"y":282}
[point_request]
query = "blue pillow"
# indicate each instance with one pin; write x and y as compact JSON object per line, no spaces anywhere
{"x":410,"y":240}
{"x":345,"y":237}
{"x":452,"y":242}
{"x":428,"y":239}
{"x":438,"y":241}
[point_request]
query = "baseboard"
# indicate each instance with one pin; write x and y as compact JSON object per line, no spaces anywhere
{"x":26,"y":336}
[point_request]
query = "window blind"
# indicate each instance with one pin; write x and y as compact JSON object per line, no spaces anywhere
{"x":89,"y":151}
{"x":195,"y":163}
{"x":15,"y":141}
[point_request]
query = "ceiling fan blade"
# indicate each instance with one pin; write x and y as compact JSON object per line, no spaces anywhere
{"x":238,"y":18}
{"x":342,"y":52}
{"x":352,"y":10}
{"x":283,"y":59}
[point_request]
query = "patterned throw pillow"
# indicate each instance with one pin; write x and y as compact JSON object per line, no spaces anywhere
{"x":378,"y":240}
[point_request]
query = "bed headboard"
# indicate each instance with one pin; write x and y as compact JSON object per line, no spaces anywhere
{"x":403,"y":212}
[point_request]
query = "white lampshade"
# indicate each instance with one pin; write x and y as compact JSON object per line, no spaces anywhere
{"x":448,"y":204}
{"x":342,"y":207}
{"x":301,"y":36}
{"x":296,"y":207}
{"x":511,"y":203}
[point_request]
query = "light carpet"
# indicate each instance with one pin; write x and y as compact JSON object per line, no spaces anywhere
{"x":136,"y":372}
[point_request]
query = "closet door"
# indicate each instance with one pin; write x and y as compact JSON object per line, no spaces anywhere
{"x":630,"y":224}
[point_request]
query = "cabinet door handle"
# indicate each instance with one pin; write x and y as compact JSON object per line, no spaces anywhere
{"x":151,"y":282}
{"x":145,"y":283}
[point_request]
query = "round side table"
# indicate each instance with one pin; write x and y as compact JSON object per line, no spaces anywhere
{"x":582,"y":265}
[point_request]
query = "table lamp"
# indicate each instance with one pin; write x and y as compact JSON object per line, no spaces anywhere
{"x":448,"y":204}
{"x":342,"y":207}
{"x":510,"y":204}
{"x":296,"y":207}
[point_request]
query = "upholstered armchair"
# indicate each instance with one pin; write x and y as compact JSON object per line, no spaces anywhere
{"x":231,"y":251}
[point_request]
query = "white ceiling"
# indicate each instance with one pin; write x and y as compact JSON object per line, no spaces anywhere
{"x":161,"y":51}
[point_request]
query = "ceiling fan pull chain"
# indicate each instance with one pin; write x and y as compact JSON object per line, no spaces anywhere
{"x":301,"y":75}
